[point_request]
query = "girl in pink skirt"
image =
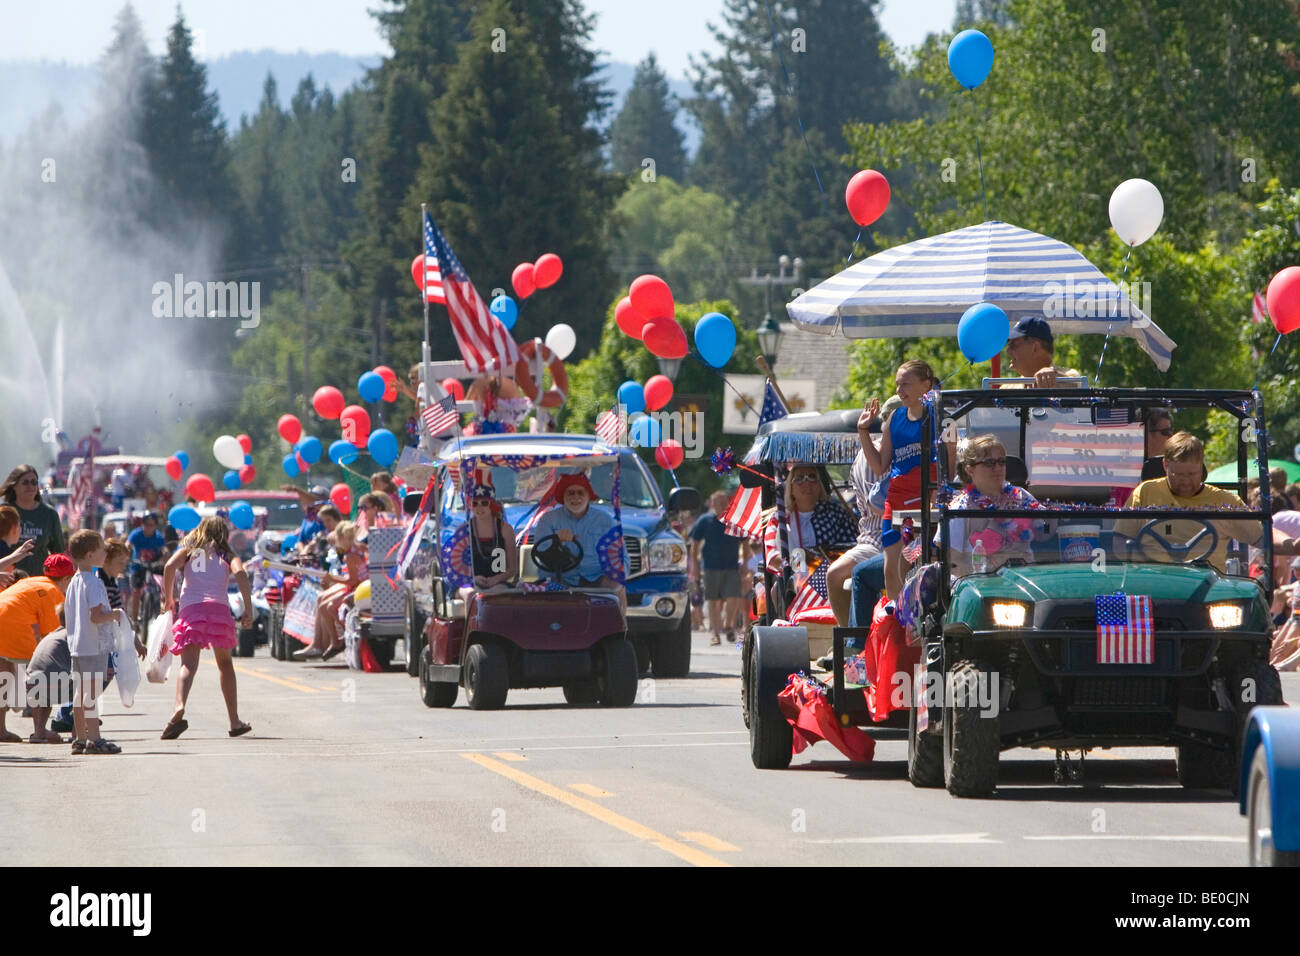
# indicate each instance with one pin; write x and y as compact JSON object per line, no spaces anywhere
{"x":203,"y":617}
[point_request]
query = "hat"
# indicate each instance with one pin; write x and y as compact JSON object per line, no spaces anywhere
{"x":1032,"y":327}
{"x":59,"y":566}
{"x":319,"y":491}
{"x":565,"y":482}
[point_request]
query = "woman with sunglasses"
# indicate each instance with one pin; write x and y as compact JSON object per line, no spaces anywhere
{"x":983,"y":462}
{"x":815,"y":520}
{"x":39,"y":522}
{"x":492,"y":541}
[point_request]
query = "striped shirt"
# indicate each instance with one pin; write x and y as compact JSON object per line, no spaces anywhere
{"x":114,"y":591}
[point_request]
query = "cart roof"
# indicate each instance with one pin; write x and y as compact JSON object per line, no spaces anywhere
{"x":817,"y":438}
{"x":519,"y":452}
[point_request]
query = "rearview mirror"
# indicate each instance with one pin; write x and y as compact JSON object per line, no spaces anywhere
{"x":685,"y":499}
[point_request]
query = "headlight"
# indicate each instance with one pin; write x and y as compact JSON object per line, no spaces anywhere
{"x":1225,"y":615}
{"x":1008,"y":613}
{"x":667,"y":555}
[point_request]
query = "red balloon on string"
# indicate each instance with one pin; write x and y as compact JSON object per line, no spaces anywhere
{"x":417,"y":271}
{"x":867,"y":195}
{"x":547,"y":270}
{"x":328,"y":401}
{"x":341,"y":496}
{"x":658,"y":392}
{"x":355,"y":423}
{"x":670,"y":454}
{"x":665,"y":338}
{"x":174,"y":468}
{"x":290,"y":428}
{"x":628,"y":319}
{"x":523,"y":280}
{"x":454,"y":388}
{"x":390,"y":382}
{"x":651,"y":297}
{"x":303,"y":465}
{"x":245,"y":443}
{"x":1283,"y":300}
{"x":247,"y":474}
{"x":199,"y":487}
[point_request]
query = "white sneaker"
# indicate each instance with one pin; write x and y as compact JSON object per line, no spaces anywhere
{"x":306,"y":654}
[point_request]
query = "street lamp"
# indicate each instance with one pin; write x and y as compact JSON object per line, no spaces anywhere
{"x":769,"y":339}
{"x":669,"y":367}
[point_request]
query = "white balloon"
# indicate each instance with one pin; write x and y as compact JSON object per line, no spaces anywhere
{"x":561,"y":340}
{"x":228,"y":452}
{"x":1136,"y":209}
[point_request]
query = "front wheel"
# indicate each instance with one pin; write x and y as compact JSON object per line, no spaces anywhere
{"x":487,"y":677}
{"x":776,"y":653}
{"x":247,"y":641}
{"x":435,"y":693}
{"x":924,"y":753}
{"x":971,"y":742}
{"x":414,"y":637}
{"x":671,"y":652}
{"x":616,"y":683}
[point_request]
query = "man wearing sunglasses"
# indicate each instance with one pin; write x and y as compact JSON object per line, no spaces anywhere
{"x":1160,"y":428}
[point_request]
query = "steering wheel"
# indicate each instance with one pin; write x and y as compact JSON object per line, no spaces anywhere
{"x":1185,"y":553}
{"x":552,"y":554}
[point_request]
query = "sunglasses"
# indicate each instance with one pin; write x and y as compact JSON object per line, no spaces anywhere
{"x":29,"y":481}
{"x":805,"y":479}
{"x":482,"y":501}
{"x":992,"y":462}
{"x":1167,"y":432}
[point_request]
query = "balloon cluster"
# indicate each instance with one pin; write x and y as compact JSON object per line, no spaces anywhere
{"x":647,"y":312}
{"x":526,"y":279}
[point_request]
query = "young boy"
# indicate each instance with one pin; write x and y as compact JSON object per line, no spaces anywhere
{"x":90,"y":622}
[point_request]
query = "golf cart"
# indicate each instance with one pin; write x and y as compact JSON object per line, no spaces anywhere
{"x":534,"y":634}
{"x":1270,"y":785}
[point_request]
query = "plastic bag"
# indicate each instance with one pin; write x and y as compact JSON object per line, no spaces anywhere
{"x":126,"y":666}
{"x":159,"y":658}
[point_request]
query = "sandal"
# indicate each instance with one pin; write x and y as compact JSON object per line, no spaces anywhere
{"x":102,"y":746}
{"x":175,"y":728}
{"x":333,"y":651}
{"x":78,"y":747}
{"x":240,"y":730}
{"x":716,"y":641}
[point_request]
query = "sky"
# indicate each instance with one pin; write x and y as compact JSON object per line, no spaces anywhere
{"x":77,"y":31}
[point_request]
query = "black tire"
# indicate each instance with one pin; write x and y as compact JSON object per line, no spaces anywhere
{"x":746,"y":665}
{"x":616,"y":682}
{"x":672,"y":650}
{"x":581,"y":693}
{"x":924,"y":754}
{"x":487,"y":677}
{"x":247,"y":641}
{"x":971,"y":743}
{"x":149,"y":609}
{"x":771,"y":738}
{"x":434,"y":693}
{"x":641,"y":644}
{"x":383,"y":651}
{"x":1201,"y":767}
{"x":414,"y":637}
{"x":1250,"y":683}
{"x":1259,"y":811}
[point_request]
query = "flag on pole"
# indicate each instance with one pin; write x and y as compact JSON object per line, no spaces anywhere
{"x":441,"y":414}
{"x":1258,"y":310}
{"x":813,"y":596}
{"x":773,"y":407}
{"x":432,"y":278}
{"x":409,"y":548}
{"x":744,"y":516}
{"x":1124,"y":629}
{"x":485,"y":344}
{"x":610,"y":426}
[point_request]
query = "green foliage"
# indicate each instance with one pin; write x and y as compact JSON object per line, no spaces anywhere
{"x":644,"y":126}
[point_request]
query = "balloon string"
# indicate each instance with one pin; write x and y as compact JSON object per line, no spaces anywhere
{"x":979,"y":160}
{"x":1276,"y":342}
{"x":789,"y":89}
{"x":1109,"y":326}
{"x":673,"y":474}
{"x":956,"y":371}
{"x":854,"y":247}
{"x":718,"y":372}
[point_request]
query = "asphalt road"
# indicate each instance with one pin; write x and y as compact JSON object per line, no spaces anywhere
{"x":351,"y":768}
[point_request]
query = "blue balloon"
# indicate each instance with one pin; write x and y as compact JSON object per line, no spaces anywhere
{"x":343,"y":452}
{"x":372,"y":386}
{"x":289,"y":543}
{"x":184,"y":459}
{"x":231,"y":480}
{"x":632,"y":395}
{"x":290,"y":465}
{"x":310,"y":447}
{"x":715,"y":339}
{"x":645,"y":432}
{"x":241,"y":515}
{"x":982,"y":332}
{"x":248,"y":459}
{"x":970,"y":57}
{"x":382,"y":446}
{"x":504,"y":308}
{"x":183,"y":518}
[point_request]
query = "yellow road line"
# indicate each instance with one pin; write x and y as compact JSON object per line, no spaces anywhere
{"x":509,"y":755}
{"x":278,"y":680}
{"x":708,"y":841}
{"x":596,"y":811}
{"x":590,"y":789}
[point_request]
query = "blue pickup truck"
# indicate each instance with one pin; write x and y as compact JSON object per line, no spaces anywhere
{"x":658,"y":607}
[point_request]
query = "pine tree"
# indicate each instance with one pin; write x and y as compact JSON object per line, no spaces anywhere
{"x":127,"y":80}
{"x":644,"y":126}
{"x":259,"y":171}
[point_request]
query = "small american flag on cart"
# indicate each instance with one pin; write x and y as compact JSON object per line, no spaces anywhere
{"x":744,"y":516}
{"x":1124,"y":629}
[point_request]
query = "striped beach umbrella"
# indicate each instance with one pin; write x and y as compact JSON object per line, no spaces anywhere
{"x":922,"y":288}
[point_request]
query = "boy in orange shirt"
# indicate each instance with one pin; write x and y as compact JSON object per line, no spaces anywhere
{"x":29,"y":610}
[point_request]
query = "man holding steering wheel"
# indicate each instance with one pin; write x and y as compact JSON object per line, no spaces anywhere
{"x":578,"y":529}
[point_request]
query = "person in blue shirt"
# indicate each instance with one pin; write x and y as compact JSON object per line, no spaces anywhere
{"x":147,"y":544}
{"x":576,"y":520}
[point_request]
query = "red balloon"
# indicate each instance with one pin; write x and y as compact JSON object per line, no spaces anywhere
{"x":547,"y":270}
{"x":247,"y":474}
{"x":658,"y":392}
{"x":523,"y":280}
{"x":355,"y":422}
{"x":665,"y":339}
{"x":651,"y":297}
{"x":174,"y":468}
{"x":341,"y":496}
{"x":328,"y":402}
{"x":390,"y":393}
{"x":1283,"y":300}
{"x":290,"y":428}
{"x":417,"y":271}
{"x":199,"y":487}
{"x":386,"y":373}
{"x":245,"y":443}
{"x":669,"y":454}
{"x":867,"y":195}
{"x":453,"y":387}
{"x":628,"y":319}
{"x":303,"y":465}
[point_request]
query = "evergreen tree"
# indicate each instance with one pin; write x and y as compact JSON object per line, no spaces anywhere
{"x":644,"y":126}
{"x":127,"y":79}
{"x":260,"y":174}
{"x":970,"y":13}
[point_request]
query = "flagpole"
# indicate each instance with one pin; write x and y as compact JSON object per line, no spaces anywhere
{"x":771,"y":377}
{"x":426,"y":358}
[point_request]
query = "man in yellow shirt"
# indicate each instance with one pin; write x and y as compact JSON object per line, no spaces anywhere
{"x":1030,"y":348}
{"x":1184,"y":487}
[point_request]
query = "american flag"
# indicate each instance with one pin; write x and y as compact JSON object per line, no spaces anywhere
{"x":441,"y":414}
{"x":744,"y":516}
{"x":432,"y":277}
{"x":813,"y":596}
{"x":773,"y":407}
{"x":80,"y":485}
{"x":1112,"y":417}
{"x":1258,"y":310}
{"x":409,"y":547}
{"x":1124,"y":629}
{"x":484,"y":342}
{"x":610,"y":427}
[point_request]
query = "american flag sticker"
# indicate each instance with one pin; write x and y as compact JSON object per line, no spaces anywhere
{"x":1125,"y":630}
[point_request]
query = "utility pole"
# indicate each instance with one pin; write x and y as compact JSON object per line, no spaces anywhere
{"x":770,"y":280}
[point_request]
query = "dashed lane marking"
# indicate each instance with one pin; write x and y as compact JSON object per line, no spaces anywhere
{"x":278,"y":680}
{"x":708,"y":841}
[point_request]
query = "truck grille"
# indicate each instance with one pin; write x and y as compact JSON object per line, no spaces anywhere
{"x":635,"y":561}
